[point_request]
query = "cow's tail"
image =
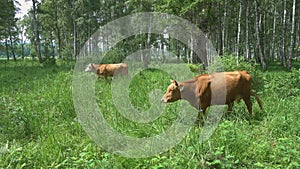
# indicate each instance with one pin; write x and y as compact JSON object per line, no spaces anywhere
{"x":257,"y":99}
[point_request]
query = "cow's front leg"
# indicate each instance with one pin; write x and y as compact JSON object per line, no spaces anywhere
{"x":106,"y":79}
{"x":201,"y":117}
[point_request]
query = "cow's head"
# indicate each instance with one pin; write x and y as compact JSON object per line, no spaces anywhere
{"x":173,"y":92}
{"x":90,"y":67}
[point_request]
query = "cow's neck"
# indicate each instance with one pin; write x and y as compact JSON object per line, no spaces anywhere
{"x":95,"y":68}
{"x":188,"y":92}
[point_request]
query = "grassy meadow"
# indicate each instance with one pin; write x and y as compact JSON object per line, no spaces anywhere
{"x":39,"y":126}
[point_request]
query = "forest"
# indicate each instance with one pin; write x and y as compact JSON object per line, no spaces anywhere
{"x":42,"y":82}
{"x":265,"y":31}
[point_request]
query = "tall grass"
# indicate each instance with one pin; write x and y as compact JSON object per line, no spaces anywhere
{"x":39,"y":127}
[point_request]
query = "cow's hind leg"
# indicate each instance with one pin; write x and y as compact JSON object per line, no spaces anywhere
{"x":248,"y":103}
{"x":201,"y":117}
{"x":230,"y":106}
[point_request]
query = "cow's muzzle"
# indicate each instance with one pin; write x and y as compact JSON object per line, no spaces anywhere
{"x":164,"y":100}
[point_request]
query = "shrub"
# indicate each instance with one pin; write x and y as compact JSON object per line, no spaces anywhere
{"x":284,"y":87}
{"x":113,"y":56}
{"x":196,"y":68}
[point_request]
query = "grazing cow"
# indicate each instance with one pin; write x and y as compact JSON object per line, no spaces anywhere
{"x":208,"y":89}
{"x":105,"y":70}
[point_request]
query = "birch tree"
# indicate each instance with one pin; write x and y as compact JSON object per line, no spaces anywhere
{"x":238,"y":31}
{"x":283,"y":50}
{"x":220,"y":30}
{"x":272,"y":49}
{"x":37,"y":43}
{"x":247,"y":50}
{"x":258,"y":48}
{"x":292,"y":44}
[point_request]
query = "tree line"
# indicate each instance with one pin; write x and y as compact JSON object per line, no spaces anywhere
{"x":260,"y":30}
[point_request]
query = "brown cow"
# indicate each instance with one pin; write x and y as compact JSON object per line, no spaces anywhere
{"x":105,"y":70}
{"x":199,"y":90}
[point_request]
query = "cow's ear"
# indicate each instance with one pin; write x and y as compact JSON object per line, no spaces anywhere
{"x":174,"y":82}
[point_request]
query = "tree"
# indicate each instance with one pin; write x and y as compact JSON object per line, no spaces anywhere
{"x":220,"y":30}
{"x":247,"y":47}
{"x":258,"y":49}
{"x":283,"y":50}
{"x":51,"y":12}
{"x":36,"y":40}
{"x":272,"y":49}
{"x":65,"y":26}
{"x":21,"y":30}
{"x":8,"y":28}
{"x":292,"y":44}
{"x":144,"y":6}
{"x":239,"y":31}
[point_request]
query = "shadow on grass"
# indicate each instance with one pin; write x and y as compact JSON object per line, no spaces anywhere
{"x":278,"y":67}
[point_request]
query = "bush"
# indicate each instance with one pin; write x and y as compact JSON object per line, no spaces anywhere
{"x":196,"y":68}
{"x":284,"y":87}
{"x":49,"y":61}
{"x":66,"y":53}
{"x":113,"y":56}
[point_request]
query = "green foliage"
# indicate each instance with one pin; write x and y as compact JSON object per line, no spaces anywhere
{"x":39,"y":128}
{"x":114,"y":56}
{"x":14,"y":123}
{"x":196,"y":68}
{"x":67,"y":25}
{"x":67,"y":53}
{"x":284,"y":86}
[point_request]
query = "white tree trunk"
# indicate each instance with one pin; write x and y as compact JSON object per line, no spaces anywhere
{"x":283,"y":53}
{"x":36,"y":32}
{"x":292,"y":44}
{"x":224,"y":32}
{"x":259,"y":51}
{"x":247,"y":50}
{"x":272,"y":50}
{"x":238,"y":34}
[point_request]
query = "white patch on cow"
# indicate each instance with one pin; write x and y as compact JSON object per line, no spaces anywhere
{"x":89,"y":68}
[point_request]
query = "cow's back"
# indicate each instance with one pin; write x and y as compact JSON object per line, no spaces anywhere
{"x":223,"y":88}
{"x":112,"y":68}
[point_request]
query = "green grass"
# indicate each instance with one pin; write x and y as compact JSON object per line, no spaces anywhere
{"x":39,"y":126}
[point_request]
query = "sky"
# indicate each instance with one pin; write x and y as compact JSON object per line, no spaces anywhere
{"x":25,"y":6}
